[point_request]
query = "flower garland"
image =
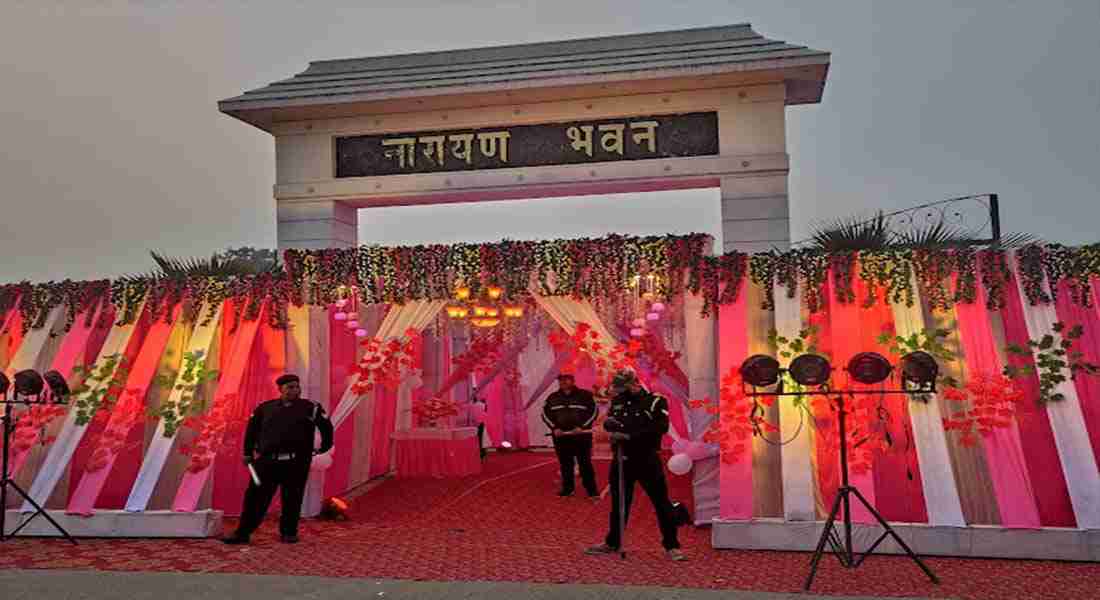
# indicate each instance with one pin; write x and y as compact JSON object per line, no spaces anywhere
{"x":429,"y":411}
{"x":585,"y":348}
{"x":387,"y":363}
{"x":1055,"y":352}
{"x":188,"y":382}
{"x":31,"y":426}
{"x":217,"y":431}
{"x":987,"y":401}
{"x":112,"y":440}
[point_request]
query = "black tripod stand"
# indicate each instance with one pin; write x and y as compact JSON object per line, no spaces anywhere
{"x":843,"y":548}
{"x":6,"y":481}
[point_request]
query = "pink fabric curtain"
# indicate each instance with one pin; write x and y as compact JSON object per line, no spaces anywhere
{"x":734,"y":476}
{"x":1088,"y":387}
{"x":342,"y":362}
{"x":1036,"y":436}
{"x":1004,"y":452}
{"x":385,"y":418}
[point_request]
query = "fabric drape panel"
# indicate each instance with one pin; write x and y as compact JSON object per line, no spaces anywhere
{"x":71,"y":353}
{"x":416,"y":314}
{"x":266,"y":363}
{"x":1007,"y":466}
{"x":701,"y":352}
{"x":1036,"y":436}
{"x":86,"y":487}
{"x":537,"y":370}
{"x":151,"y":475}
{"x":341,"y":360}
{"x":735,"y":476}
{"x":847,"y":340}
{"x":797,"y":470}
{"x":941,"y":493}
{"x":767,"y":459}
{"x":11,"y":335}
{"x":241,"y":343}
{"x":825,"y":458}
{"x":968,"y":463}
{"x":370,"y":318}
{"x":125,"y":340}
{"x":1088,"y":387}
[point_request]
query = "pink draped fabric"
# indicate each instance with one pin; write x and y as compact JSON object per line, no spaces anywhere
{"x":826,"y":457}
{"x":494,"y":397}
{"x":1036,"y":435}
{"x":385,"y":418}
{"x":266,"y":362}
{"x":1003,"y":448}
{"x":103,"y":484}
{"x":72,"y":351}
{"x":1088,"y":386}
{"x":846,"y":322}
{"x":131,"y":354}
{"x":342,"y":362}
{"x":236,"y":355}
{"x":13,"y":327}
{"x":437,"y":458}
{"x":734,"y":476}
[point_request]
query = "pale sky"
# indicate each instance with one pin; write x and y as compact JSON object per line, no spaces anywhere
{"x":112,"y":143}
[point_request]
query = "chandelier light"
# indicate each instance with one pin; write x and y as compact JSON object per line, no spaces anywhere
{"x":484,"y":310}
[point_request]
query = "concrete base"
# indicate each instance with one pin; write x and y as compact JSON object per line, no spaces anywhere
{"x":122,"y":524}
{"x":1049,"y":543}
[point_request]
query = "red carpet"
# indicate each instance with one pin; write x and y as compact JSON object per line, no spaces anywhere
{"x":507,"y":524}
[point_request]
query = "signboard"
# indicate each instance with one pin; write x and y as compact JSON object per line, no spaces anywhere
{"x":581,"y":142}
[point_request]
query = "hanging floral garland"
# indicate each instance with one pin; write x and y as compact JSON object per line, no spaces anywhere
{"x":387,"y":363}
{"x":987,"y":401}
{"x":218,"y":432}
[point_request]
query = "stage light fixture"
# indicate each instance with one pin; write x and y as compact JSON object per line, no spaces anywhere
{"x":869,"y":368}
{"x":810,"y":369}
{"x":920,"y":368}
{"x":58,"y":387}
{"x":760,"y":370}
{"x":5,"y":383}
{"x":28,"y":383}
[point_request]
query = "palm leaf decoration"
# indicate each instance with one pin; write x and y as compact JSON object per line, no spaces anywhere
{"x":852,"y":233}
{"x":232,"y":263}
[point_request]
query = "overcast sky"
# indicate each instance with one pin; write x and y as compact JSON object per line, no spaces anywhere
{"x":112,"y":143}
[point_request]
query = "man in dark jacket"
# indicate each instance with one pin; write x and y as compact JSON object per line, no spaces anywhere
{"x":636,"y":422}
{"x":278,"y":448}
{"x":570,"y":413}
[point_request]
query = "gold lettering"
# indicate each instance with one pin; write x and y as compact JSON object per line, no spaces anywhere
{"x":581,"y":138}
{"x":491,"y":141}
{"x":404,"y":152}
{"x":434,"y":146}
{"x":461,"y":146}
{"x":649,"y":135}
{"x":612,"y":138}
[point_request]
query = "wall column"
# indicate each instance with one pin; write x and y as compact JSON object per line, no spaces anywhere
{"x":315,"y":224}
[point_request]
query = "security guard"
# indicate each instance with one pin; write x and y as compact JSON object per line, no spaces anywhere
{"x":569,"y":413}
{"x":278,"y":445}
{"x":636,"y":422}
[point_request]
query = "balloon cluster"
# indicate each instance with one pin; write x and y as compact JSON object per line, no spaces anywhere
{"x":347,"y":309}
{"x":686,"y":452}
{"x":639,"y":324}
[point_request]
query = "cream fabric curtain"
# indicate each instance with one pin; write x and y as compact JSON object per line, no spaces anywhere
{"x":400,"y":318}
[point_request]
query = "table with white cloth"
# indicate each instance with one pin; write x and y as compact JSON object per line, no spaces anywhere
{"x":436,"y":452}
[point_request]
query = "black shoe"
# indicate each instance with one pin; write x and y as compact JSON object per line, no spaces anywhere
{"x":288,"y":539}
{"x":235,"y":540}
{"x":565,"y":493}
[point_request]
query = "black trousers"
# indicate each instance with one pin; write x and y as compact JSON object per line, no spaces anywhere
{"x":288,"y":475}
{"x":481,"y":439}
{"x":647,"y":471}
{"x":576,"y":449}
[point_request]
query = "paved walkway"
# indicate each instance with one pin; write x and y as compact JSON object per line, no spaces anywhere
{"x":101,"y":585}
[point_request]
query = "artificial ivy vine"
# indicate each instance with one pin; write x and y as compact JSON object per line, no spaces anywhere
{"x":187,"y":382}
{"x":1054,"y":356}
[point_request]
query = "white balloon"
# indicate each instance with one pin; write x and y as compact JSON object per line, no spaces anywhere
{"x":679,"y":464}
{"x":321,"y":462}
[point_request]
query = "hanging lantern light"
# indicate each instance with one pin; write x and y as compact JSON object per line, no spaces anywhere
{"x":462,"y":293}
{"x":492,"y":312}
{"x":480,"y":311}
{"x":456,"y":312}
{"x":494,"y":292}
{"x":463,"y":313}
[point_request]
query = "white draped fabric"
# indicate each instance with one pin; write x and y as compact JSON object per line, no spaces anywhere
{"x":797,"y":470}
{"x":568,"y":313}
{"x":1067,"y":422}
{"x":415,"y":315}
{"x":701,"y":352}
{"x":536,"y":363}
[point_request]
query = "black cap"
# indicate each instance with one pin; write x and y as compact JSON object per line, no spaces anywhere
{"x":285,"y":379}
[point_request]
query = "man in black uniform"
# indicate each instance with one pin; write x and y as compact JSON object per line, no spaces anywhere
{"x":278,"y":444}
{"x":569,"y":413}
{"x":636,"y":422}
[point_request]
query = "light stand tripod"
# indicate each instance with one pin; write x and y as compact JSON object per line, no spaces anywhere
{"x":6,"y":481}
{"x":618,"y":448}
{"x":843,"y":548}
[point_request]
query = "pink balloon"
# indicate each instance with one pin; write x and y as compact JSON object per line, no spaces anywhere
{"x":679,"y":446}
{"x":653,"y":316}
{"x":658,"y":307}
{"x":639,"y":322}
{"x":637,"y":332}
{"x":697,"y":451}
{"x":360,"y":333}
{"x":353,"y":324}
{"x":340,"y":316}
{"x":341,"y":303}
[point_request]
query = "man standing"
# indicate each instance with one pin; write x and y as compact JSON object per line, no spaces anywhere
{"x":636,"y":422}
{"x":569,"y":413}
{"x":278,"y":447}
